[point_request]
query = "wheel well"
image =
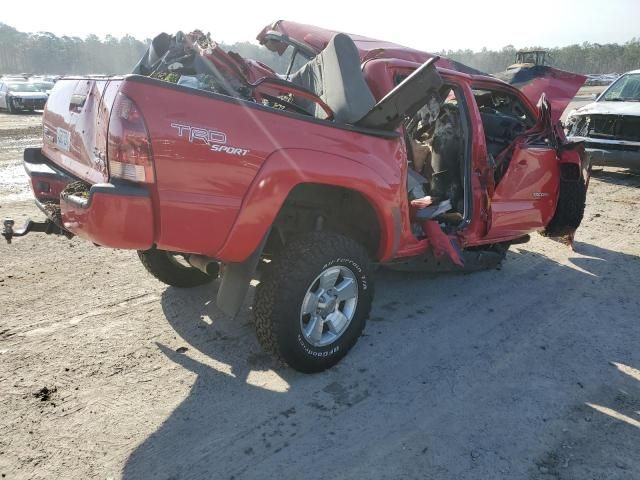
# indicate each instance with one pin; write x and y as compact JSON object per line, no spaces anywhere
{"x":570,"y":172}
{"x":312,"y":206}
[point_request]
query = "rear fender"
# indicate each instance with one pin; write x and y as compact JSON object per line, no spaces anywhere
{"x":283,"y":170}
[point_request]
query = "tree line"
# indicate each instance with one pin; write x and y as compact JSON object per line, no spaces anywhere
{"x":584,"y":58}
{"x":44,"y":52}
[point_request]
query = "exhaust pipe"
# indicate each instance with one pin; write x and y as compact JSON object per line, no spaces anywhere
{"x":208,"y":265}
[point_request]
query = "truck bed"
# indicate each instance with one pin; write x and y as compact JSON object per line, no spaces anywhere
{"x":208,"y":150}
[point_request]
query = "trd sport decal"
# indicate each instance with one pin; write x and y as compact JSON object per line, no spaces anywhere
{"x":216,"y":140}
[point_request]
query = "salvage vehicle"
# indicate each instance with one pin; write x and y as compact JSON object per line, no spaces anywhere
{"x":364,"y":153}
{"x":44,"y":86}
{"x":15,"y":96}
{"x":610,"y":126}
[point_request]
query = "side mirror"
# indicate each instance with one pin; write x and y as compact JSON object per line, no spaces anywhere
{"x":594,"y":96}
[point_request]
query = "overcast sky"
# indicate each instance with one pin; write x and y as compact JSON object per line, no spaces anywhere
{"x":424,"y":24}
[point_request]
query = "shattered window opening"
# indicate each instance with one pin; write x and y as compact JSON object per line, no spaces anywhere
{"x":297,"y":59}
{"x":504,"y":118}
{"x":437,"y":138}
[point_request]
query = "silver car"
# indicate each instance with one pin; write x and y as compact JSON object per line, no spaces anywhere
{"x":610,"y":126}
{"x":15,"y":96}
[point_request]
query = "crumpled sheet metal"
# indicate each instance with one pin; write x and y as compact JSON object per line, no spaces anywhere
{"x":195,"y":55}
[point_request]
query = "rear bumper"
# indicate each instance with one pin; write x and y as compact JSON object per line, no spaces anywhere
{"x":47,"y":181}
{"x":116,"y":216}
{"x":113,"y":215}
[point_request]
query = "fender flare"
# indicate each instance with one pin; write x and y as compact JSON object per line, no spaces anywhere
{"x":285,"y":169}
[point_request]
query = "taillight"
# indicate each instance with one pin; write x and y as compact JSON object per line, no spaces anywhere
{"x":129,"y":148}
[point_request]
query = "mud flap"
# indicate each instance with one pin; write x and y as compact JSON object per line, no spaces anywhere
{"x":235,"y":281}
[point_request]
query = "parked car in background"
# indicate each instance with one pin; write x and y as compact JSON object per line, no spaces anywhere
{"x":601,"y":79}
{"x":23,"y":95}
{"x":610,"y":126}
{"x":12,"y":78}
{"x":51,"y":78}
{"x":43,"y":85}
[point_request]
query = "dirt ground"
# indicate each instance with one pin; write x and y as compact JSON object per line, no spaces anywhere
{"x":527,"y":372}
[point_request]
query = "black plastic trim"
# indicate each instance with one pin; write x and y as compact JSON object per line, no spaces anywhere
{"x":36,"y":164}
{"x":115,"y":189}
{"x":34,"y":155}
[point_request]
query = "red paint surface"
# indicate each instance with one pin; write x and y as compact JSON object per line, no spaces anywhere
{"x":525,"y":199}
{"x":115,"y":221}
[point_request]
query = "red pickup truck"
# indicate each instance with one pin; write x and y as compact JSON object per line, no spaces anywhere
{"x":364,"y":153}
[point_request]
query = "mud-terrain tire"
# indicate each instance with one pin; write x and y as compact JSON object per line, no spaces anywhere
{"x":292,"y":285}
{"x":164,"y":266}
{"x":570,"y":209}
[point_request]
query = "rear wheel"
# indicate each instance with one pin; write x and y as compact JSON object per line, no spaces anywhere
{"x":172,"y":269}
{"x":313,"y":301}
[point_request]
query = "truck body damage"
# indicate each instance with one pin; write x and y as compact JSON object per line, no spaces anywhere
{"x":559,"y":86}
{"x":208,"y":163}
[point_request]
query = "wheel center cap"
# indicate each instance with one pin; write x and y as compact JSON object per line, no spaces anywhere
{"x":327,"y":304}
{"x":331,"y":305}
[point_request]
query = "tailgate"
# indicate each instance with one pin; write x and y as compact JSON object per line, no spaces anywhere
{"x":75,"y":123}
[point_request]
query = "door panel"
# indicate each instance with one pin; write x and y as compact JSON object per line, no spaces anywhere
{"x":525,"y":198}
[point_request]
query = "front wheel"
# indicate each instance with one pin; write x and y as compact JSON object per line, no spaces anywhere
{"x":10,"y":107}
{"x":569,"y":210}
{"x":314,"y":300}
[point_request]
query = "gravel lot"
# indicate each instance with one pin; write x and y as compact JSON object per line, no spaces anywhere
{"x":528,"y":372}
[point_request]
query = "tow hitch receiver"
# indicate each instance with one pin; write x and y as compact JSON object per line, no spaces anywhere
{"x":47,"y":227}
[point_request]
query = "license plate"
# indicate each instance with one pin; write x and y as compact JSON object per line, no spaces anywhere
{"x":63,"y":139}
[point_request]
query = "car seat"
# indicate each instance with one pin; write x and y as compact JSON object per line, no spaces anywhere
{"x":335,"y":76}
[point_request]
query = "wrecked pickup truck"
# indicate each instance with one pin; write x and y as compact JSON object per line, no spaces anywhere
{"x":363,"y":153}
